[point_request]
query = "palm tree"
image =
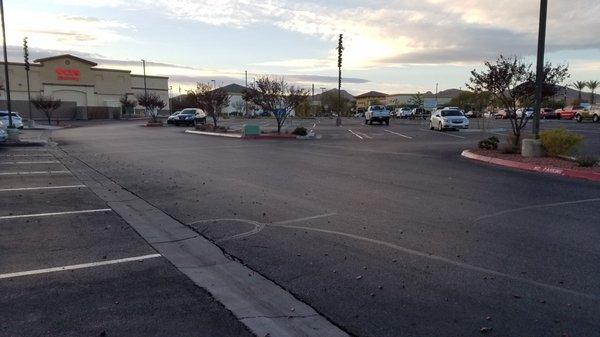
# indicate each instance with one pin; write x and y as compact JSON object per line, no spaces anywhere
{"x":593,"y":85}
{"x":579,"y":85}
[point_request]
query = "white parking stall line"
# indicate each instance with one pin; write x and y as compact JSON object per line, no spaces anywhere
{"x":78,"y":266}
{"x":18,"y":189}
{"x":39,"y":215}
{"x":352,"y":132}
{"x":31,"y":162}
{"x":365,"y":135}
{"x":26,"y":155}
{"x":398,"y":134}
{"x":26,"y":173}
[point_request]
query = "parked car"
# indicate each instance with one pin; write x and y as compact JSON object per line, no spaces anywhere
{"x":377,"y":113}
{"x":503,"y":114}
{"x":548,"y":113}
{"x":448,"y":120}
{"x":359,"y":115}
{"x":568,"y":112}
{"x":404,"y":113}
{"x":16,"y":119}
{"x":3,"y":132}
{"x":171,"y":118}
{"x":527,"y":111}
{"x":265,"y":114}
{"x":593,"y":114}
{"x":189,"y":116}
{"x":473,"y":114}
{"x":420,"y":113}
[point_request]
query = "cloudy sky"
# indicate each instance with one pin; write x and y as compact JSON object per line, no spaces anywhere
{"x":392,"y":46}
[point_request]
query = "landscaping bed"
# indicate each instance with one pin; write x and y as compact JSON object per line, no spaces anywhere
{"x":556,"y":162}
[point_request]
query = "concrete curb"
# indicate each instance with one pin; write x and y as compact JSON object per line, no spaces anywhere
{"x":215,"y":134}
{"x":570,"y":173}
{"x":264,"y":307}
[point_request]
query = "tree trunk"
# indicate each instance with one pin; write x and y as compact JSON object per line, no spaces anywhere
{"x":48,"y":116}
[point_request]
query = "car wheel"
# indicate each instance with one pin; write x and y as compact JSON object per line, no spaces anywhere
{"x":431,"y":126}
{"x":366,"y":122}
{"x":387,"y":122}
{"x":440,"y":128}
{"x":596,"y":119}
{"x":578,"y":118}
{"x":370,"y":122}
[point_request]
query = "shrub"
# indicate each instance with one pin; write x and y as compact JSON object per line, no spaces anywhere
{"x":300,"y":131}
{"x":587,"y":161}
{"x":560,"y":142}
{"x":489,"y":144}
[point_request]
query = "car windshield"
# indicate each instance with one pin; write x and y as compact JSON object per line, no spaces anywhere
{"x":451,"y":113}
{"x":376,"y":107}
{"x":188,"y":112}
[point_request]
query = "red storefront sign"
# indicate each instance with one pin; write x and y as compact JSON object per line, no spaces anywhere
{"x":64,"y":74}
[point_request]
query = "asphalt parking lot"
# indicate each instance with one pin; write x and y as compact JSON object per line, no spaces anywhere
{"x":386,"y":231}
{"x":71,"y":267}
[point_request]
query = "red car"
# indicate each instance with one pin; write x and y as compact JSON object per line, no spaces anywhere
{"x":568,"y":112}
{"x":548,"y":113}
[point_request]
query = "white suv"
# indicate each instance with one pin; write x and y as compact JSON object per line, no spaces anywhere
{"x":448,"y":120}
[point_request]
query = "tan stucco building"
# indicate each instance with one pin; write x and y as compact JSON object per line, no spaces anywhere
{"x":369,"y":98}
{"x":85,"y":90}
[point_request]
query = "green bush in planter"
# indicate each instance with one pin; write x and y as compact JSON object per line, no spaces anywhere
{"x":560,"y":142}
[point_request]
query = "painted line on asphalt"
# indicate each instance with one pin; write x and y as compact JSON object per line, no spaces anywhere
{"x":352,"y":132}
{"x":398,"y":134}
{"x":27,"y":173}
{"x":446,"y":261}
{"x":26,"y":155}
{"x":40,"y":188}
{"x":258,"y":226}
{"x":443,"y":133}
{"x":78,"y":266}
{"x":365,"y":135}
{"x":38,"y":215}
{"x":513,"y":210}
{"x":31,"y":162}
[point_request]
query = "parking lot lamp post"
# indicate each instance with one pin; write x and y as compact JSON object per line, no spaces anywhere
{"x":26,"y":57}
{"x":539,"y":77}
{"x":145,"y":86}
{"x":340,"y":48}
{"x":8,"y":105}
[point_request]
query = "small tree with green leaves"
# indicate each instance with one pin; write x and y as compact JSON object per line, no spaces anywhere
{"x":512,"y":83}
{"x":416,"y":100}
{"x":580,"y":86}
{"x":127,"y":105}
{"x":152,"y":103}
{"x":593,"y":85}
{"x":276,"y":96}
{"x":47,"y":105}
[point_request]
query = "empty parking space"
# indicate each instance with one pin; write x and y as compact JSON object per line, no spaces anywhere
{"x":71,"y":266}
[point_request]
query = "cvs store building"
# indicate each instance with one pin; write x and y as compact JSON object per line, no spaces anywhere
{"x":86,"y":92}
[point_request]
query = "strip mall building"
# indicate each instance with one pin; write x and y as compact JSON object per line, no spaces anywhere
{"x":86,"y":92}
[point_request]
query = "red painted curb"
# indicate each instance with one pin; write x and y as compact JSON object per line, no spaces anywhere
{"x":570,"y":173}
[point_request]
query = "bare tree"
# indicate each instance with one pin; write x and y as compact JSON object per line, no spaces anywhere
{"x":48,"y":105}
{"x":209,"y":100}
{"x":512,"y":83}
{"x":127,"y":105}
{"x":275,"y":96}
{"x":152,"y":103}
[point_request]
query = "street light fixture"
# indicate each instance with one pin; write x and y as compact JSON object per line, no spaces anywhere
{"x":145,"y":87}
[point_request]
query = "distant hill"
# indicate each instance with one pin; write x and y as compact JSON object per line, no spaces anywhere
{"x":345,"y":95}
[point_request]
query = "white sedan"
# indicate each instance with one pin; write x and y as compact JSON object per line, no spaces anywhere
{"x":3,"y":133}
{"x":16,"y":119}
{"x":448,"y":120}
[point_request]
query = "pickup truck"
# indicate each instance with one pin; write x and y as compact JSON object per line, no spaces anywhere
{"x":377,"y":113}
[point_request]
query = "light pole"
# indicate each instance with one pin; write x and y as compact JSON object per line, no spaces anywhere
{"x":8,"y":105}
{"x":539,"y":77}
{"x":340,"y":48}
{"x":26,"y":57}
{"x":145,"y":86}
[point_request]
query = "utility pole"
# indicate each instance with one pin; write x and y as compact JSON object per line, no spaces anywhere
{"x":246,"y":102}
{"x":8,"y":105}
{"x":312,"y":101}
{"x":436,"y":95}
{"x":340,"y":48}
{"x":145,"y":86}
{"x":539,"y":77}
{"x":26,"y":57}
